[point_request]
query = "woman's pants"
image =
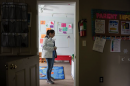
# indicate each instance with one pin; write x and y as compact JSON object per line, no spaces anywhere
{"x":50,"y":62}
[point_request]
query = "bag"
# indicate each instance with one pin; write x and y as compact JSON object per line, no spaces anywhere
{"x":55,"y":51}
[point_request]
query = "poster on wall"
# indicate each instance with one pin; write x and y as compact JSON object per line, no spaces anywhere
{"x":43,"y":35}
{"x":115,"y":45}
{"x":63,"y":24}
{"x":125,"y":27}
{"x":99,"y":26}
{"x":70,"y":26}
{"x":113,"y":26}
{"x":42,"y":22}
{"x":99,"y":44}
{"x":48,"y":29}
{"x":51,"y":22}
{"x":60,"y":30}
{"x":64,"y":28}
{"x":41,"y":40}
{"x":64,"y":32}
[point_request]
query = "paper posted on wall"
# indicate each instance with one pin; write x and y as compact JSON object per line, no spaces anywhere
{"x":113,"y":26}
{"x":115,"y":45}
{"x":99,"y":44}
{"x":99,"y":26}
{"x":125,"y":27}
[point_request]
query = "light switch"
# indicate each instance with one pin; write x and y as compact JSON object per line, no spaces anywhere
{"x":84,"y":43}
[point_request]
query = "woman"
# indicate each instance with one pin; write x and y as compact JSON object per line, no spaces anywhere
{"x":49,"y":52}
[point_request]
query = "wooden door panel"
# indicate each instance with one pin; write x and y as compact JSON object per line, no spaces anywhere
{"x":20,"y":78}
{"x":6,"y":51}
{"x":26,"y":73}
{"x":25,"y":51}
{"x":33,"y":75}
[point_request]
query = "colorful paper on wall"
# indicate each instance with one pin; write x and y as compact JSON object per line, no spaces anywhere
{"x":46,"y":25}
{"x":43,"y":22}
{"x":48,"y":29}
{"x":41,"y":45}
{"x":125,"y":27}
{"x":63,"y":24}
{"x":64,"y":32}
{"x":70,"y":26}
{"x":65,"y":28}
{"x":99,"y":26}
{"x":51,"y":22}
{"x":68,"y":37}
{"x":41,"y":41}
{"x":60,"y":29}
{"x":51,"y":26}
{"x":113,"y":26}
{"x":43,"y":35}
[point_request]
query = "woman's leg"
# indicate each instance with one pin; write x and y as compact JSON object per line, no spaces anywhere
{"x":49,"y":63}
{"x":52,"y":61}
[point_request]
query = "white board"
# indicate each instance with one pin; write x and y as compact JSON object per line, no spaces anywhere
{"x":61,"y":41}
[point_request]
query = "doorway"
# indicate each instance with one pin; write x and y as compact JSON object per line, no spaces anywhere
{"x":62,"y":15}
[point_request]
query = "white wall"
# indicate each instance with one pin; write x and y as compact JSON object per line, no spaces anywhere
{"x":65,"y":45}
{"x":58,"y":9}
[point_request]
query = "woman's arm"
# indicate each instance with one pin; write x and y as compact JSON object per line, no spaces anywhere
{"x":45,"y":47}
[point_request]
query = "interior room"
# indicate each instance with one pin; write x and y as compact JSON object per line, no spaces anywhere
{"x":93,"y":68}
{"x":61,"y":19}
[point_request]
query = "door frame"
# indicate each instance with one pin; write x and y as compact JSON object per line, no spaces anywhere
{"x":76,"y":34}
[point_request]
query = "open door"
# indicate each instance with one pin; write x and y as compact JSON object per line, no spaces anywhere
{"x":23,"y":72}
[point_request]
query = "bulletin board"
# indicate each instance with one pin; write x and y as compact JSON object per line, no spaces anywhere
{"x":110,"y":24}
{"x":68,"y":26}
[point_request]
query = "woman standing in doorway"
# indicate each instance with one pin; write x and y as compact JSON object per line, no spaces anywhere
{"x":49,"y":52}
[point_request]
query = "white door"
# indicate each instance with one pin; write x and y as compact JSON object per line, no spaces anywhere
{"x":23,"y":72}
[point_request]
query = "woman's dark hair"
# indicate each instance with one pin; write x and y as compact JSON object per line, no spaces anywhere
{"x":49,"y":31}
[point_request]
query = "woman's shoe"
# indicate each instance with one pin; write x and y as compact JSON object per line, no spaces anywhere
{"x":52,"y":79}
{"x":50,"y":82}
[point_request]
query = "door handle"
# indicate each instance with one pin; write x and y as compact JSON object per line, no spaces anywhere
{"x":13,"y":66}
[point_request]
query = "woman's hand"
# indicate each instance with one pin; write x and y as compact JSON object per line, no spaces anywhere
{"x":55,"y":48}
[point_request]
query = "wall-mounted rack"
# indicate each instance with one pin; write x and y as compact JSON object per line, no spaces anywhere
{"x":14,"y":24}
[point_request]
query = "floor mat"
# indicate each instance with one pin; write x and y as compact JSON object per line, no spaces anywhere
{"x":57,"y":72}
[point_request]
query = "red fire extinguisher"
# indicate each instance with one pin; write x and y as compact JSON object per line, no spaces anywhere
{"x":82,"y":27}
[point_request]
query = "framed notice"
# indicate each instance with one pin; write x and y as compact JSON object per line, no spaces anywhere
{"x":113,"y":26}
{"x":99,"y":26}
{"x":125,"y":27}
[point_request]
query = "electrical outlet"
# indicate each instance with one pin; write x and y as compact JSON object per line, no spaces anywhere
{"x":101,"y":79}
